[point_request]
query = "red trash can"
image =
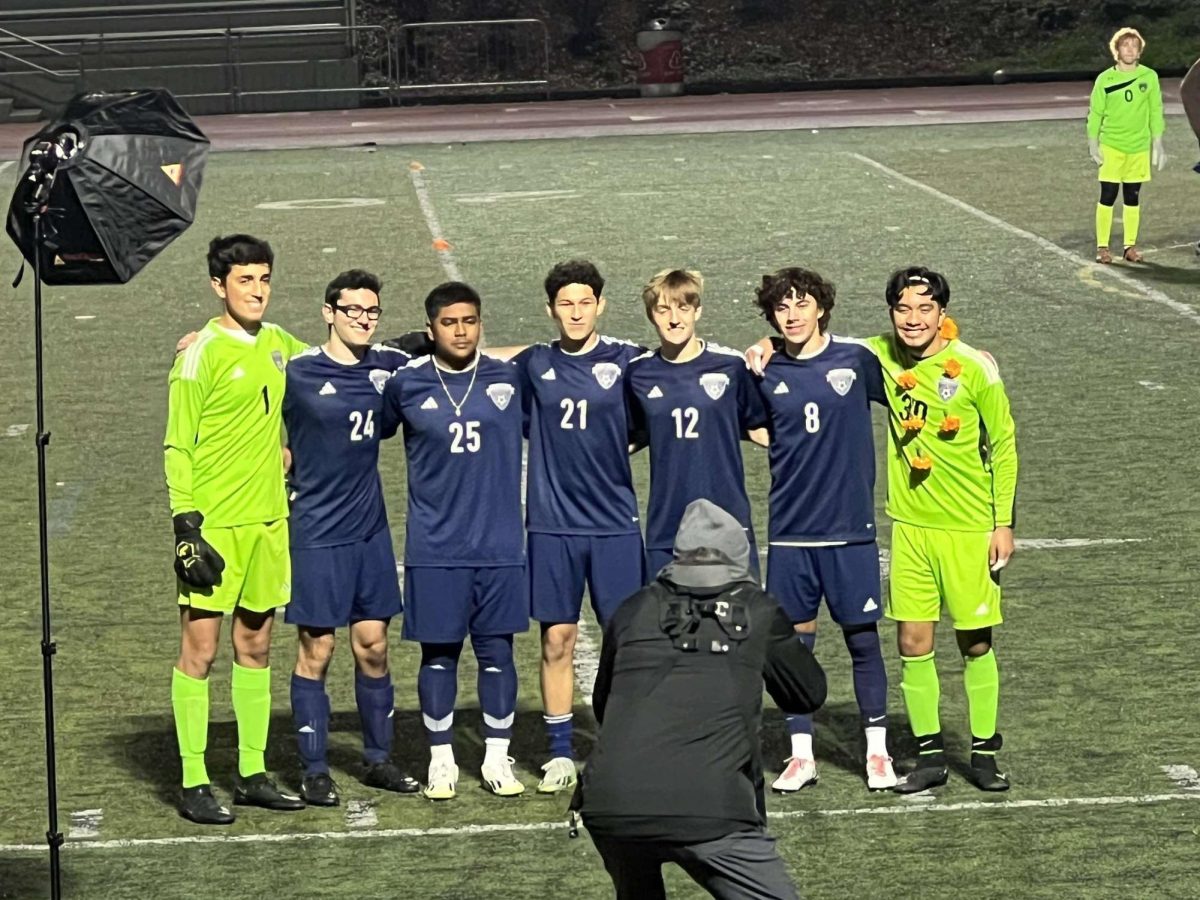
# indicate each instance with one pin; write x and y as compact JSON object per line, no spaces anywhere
{"x":660,"y":59}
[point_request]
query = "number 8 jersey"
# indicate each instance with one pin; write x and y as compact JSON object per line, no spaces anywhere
{"x":822,"y":452}
{"x":462,"y":440}
{"x":332,"y":412}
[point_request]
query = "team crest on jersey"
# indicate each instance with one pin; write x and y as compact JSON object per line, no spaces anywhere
{"x":277,"y":357}
{"x":841,"y":380}
{"x":946,"y":387}
{"x":379,"y":378}
{"x":606,"y":374}
{"x":500,"y":394}
{"x":714,"y":384}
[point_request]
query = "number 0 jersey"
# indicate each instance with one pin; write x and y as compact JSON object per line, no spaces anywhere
{"x":579,"y":478}
{"x":464,"y":464}
{"x":694,"y":414}
{"x":822,"y":451}
{"x":332,"y":412}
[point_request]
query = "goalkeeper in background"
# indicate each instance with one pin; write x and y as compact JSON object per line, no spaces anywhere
{"x":224,"y":466}
{"x":952,"y":481}
{"x":1125,"y":131}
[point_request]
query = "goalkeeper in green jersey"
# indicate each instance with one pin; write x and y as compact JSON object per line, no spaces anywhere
{"x":1125,"y":130}
{"x":224,"y":466}
{"x":952,"y":479}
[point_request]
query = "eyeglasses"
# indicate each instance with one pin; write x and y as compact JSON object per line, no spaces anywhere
{"x":354,"y":311}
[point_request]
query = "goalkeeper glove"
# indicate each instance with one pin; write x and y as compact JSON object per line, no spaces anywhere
{"x":1157,"y":155}
{"x":196,"y":562}
{"x":1094,"y":151}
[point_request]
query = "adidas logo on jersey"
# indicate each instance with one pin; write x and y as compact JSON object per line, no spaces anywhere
{"x":654,"y":393}
{"x":870,"y":605}
{"x":549,"y":375}
{"x":429,"y":403}
{"x":327,"y":389}
{"x":237,"y":373}
{"x":780,"y":388}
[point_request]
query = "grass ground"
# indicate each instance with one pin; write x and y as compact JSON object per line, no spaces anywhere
{"x":1095,"y":656}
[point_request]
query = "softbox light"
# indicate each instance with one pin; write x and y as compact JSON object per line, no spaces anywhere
{"x":127,"y":172}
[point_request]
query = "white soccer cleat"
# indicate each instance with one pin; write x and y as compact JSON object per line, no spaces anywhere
{"x":880,"y":774}
{"x":799,"y":773}
{"x":499,"y":778}
{"x":560,"y":775}
{"x":442,"y":781}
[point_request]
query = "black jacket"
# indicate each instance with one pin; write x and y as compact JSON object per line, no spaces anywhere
{"x":679,"y":699}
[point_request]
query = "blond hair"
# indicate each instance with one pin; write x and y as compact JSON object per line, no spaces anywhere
{"x":1123,"y":33}
{"x":673,"y":286}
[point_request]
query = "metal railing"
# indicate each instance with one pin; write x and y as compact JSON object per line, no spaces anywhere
{"x":500,"y":52}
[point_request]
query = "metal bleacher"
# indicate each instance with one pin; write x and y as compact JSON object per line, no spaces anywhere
{"x":219,"y":56}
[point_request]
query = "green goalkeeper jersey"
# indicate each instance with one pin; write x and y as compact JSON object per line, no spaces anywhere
{"x":224,"y":426}
{"x":1126,"y":110}
{"x":952,"y":461}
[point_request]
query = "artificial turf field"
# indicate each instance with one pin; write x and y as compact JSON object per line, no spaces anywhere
{"x":1096,"y":657}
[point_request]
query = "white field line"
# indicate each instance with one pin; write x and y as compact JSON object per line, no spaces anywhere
{"x":505,"y":828}
{"x":5,"y":165}
{"x":1150,"y":293}
{"x":446,"y":257}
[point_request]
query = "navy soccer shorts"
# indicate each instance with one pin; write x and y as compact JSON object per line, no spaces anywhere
{"x":847,"y":576}
{"x":445,"y":605}
{"x":335,"y":586}
{"x":560,"y":565}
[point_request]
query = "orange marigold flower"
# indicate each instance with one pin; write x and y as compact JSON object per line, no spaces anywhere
{"x":952,"y":367}
{"x":907,"y":381}
{"x":921,"y":463}
{"x":914,"y":423}
{"x":950,"y":425}
{"x":949,"y":329}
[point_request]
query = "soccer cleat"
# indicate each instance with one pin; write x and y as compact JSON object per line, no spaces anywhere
{"x":929,"y":773}
{"x":319,"y":790}
{"x":798,"y":773}
{"x":985,"y":774}
{"x":387,"y":777}
{"x":499,"y":778}
{"x":259,"y":790}
{"x":443,"y":777}
{"x":1103,"y":255}
{"x":1133,"y":254}
{"x":880,"y":774}
{"x":560,"y":775}
{"x":197,"y":804}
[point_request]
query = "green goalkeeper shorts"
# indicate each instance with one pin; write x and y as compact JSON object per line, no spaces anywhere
{"x":258,"y":569}
{"x":931,"y":568}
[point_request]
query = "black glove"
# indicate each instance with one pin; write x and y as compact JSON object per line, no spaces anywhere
{"x":196,"y":562}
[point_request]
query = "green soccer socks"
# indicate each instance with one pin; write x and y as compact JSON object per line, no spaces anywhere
{"x":981,"y":678}
{"x":251,"y":689}
{"x":1131,"y":216}
{"x":1104,"y":219}
{"x":189,"y":700}
{"x":919,"y":683}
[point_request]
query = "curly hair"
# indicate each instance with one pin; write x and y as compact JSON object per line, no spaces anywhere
{"x":779,"y":285}
{"x":575,"y":271}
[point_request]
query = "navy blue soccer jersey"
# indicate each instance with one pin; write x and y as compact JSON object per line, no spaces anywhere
{"x":822,"y":452}
{"x":332,"y":414}
{"x":694,"y":414}
{"x":579,"y":480}
{"x":462,"y":439}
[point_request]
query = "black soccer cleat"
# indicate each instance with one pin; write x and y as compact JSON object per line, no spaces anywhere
{"x":985,"y":774}
{"x":931,"y":770}
{"x":387,"y":777}
{"x":259,"y":790}
{"x":197,"y":804}
{"x":319,"y":790}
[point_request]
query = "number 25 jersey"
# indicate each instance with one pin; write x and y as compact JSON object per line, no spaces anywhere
{"x":464,"y":463}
